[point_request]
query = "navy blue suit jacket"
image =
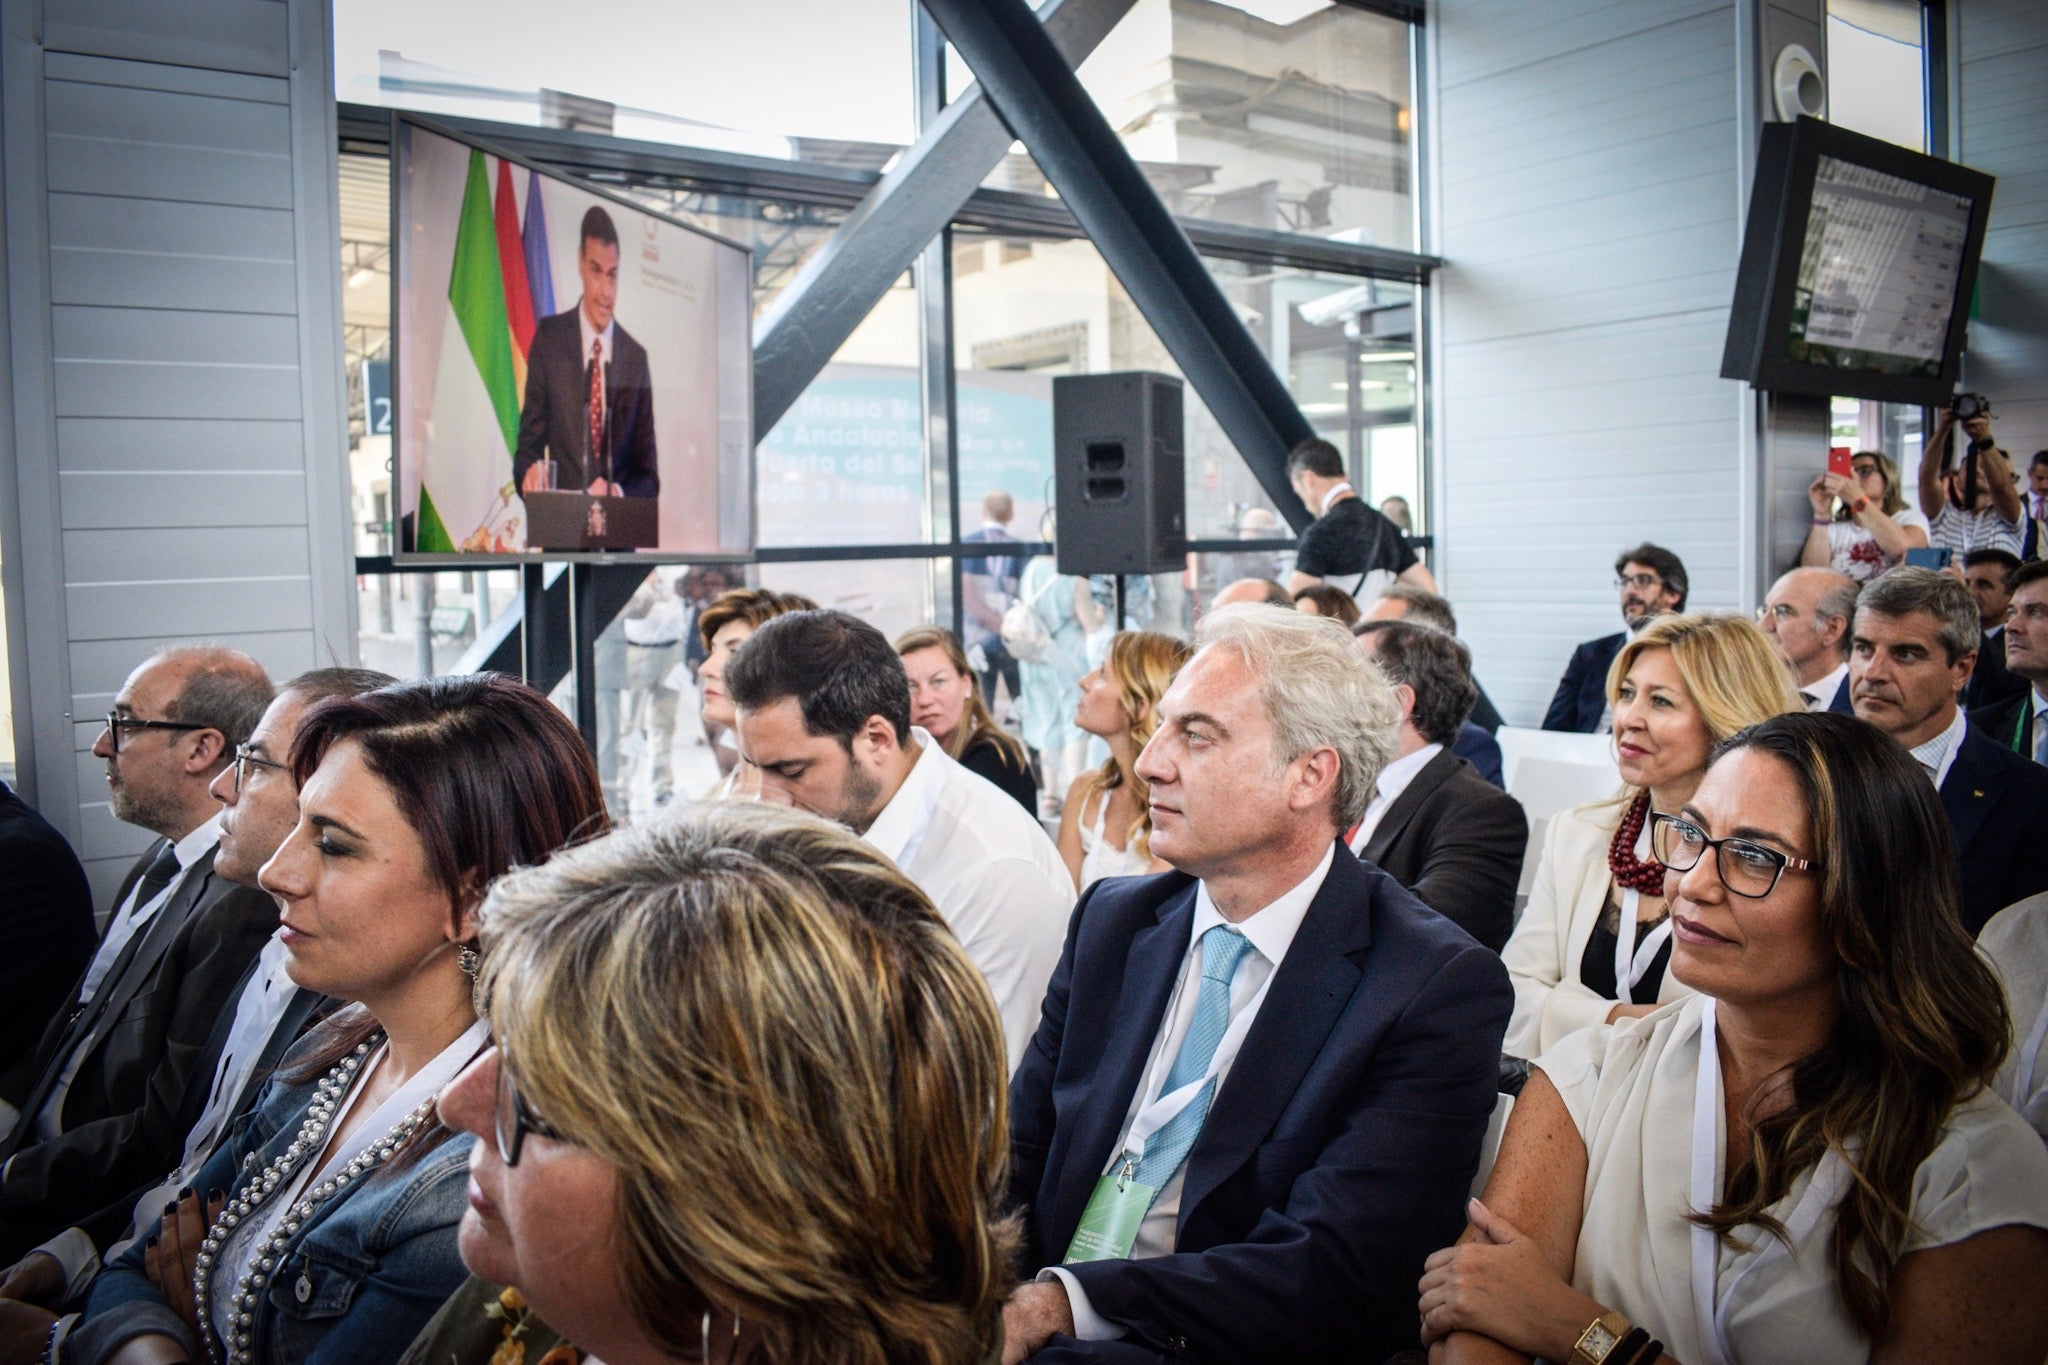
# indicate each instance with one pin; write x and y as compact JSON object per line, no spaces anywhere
{"x":1582,"y":692}
{"x":1336,"y":1157}
{"x":1997,"y":804}
{"x":1482,"y":751}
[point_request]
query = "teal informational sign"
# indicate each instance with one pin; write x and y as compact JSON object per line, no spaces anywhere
{"x":845,"y":465}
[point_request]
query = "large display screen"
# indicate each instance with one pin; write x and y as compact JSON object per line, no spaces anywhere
{"x":1857,"y":267}
{"x":572,"y":374}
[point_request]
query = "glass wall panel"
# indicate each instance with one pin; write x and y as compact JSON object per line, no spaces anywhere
{"x":1877,"y":69}
{"x":1290,"y":115}
{"x":780,"y":78}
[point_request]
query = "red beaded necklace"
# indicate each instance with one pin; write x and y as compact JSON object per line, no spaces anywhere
{"x":1642,"y":875}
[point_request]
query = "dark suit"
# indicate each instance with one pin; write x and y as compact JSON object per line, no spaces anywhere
{"x":1997,"y":804}
{"x":1485,"y":714}
{"x":144,"y":1036}
{"x":554,"y":416}
{"x":1843,"y":703}
{"x":1582,"y":693}
{"x":2002,"y":721}
{"x":1457,"y":842}
{"x":1481,"y":750}
{"x":46,"y":917}
{"x":1337,"y":1155}
{"x":1991,"y":681}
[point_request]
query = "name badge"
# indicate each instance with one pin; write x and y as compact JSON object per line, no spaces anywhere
{"x":1109,"y":1225}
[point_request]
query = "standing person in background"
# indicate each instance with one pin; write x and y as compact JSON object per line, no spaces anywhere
{"x":1254,"y":523}
{"x":1119,"y":704}
{"x":1973,"y":506}
{"x":2034,"y":535}
{"x":655,"y":624}
{"x":1861,"y":524}
{"x":1065,"y":608}
{"x":1988,"y":576}
{"x":1594,"y":942}
{"x":1348,"y":544}
{"x":1651,"y":582}
{"x":1395,"y":509}
{"x":945,"y":701}
{"x":988,"y":584}
{"x":47,"y":921}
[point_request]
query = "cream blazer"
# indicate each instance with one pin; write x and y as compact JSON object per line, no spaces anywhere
{"x":1571,"y":889}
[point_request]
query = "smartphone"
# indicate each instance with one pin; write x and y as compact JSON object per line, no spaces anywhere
{"x":1838,"y":462}
{"x":1931,"y":557}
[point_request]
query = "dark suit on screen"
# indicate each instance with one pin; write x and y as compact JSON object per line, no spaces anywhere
{"x":1581,"y":697}
{"x":1997,"y":804}
{"x":1336,"y":1157}
{"x":554,"y":417}
{"x":145,"y":1036}
{"x":1457,"y":841}
{"x":46,"y":917}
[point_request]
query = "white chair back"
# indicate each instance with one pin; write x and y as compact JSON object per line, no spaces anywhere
{"x":1549,"y":771}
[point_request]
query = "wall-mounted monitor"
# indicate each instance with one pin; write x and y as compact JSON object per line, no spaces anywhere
{"x":572,"y":374}
{"x":1858,"y":264}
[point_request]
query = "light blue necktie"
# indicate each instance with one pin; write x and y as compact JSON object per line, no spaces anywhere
{"x":2041,"y":736}
{"x":1222,"y":948}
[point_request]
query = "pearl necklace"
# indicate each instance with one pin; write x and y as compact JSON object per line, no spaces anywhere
{"x":333,"y":1088}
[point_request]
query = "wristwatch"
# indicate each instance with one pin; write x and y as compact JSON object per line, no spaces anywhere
{"x":1598,"y":1341}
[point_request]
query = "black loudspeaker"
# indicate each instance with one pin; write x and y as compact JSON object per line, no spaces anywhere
{"x":1119,"y":472}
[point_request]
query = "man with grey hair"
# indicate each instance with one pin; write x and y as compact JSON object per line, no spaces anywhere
{"x":131,"y":1038}
{"x":1807,"y":613}
{"x":1915,"y":642}
{"x":1255,"y":1099}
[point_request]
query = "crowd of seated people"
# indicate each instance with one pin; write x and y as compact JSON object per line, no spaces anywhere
{"x":393,"y":1049}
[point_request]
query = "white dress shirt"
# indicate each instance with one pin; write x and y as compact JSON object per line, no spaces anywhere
{"x":1937,"y":755}
{"x":1394,"y":779}
{"x":188,"y":851}
{"x":994,"y":875}
{"x":1271,"y":931}
{"x":1820,"y":693}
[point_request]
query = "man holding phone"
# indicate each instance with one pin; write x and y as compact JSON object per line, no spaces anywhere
{"x":1974,"y":505}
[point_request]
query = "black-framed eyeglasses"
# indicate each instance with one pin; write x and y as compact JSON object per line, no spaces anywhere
{"x":116,"y":723}
{"x":1747,"y":868}
{"x":1638,"y":580}
{"x":513,"y":1120}
{"x":245,"y":759}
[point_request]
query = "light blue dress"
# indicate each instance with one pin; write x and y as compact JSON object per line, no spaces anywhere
{"x":1052,"y":687}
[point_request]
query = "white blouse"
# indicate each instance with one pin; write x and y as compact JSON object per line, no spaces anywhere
{"x":2016,"y":941}
{"x":1634,"y":1091}
{"x":1099,"y":857}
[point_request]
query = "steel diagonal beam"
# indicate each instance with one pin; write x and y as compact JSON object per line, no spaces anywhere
{"x":805,"y":324}
{"x":1035,"y":91}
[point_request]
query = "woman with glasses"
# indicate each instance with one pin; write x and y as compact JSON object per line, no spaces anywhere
{"x":1861,"y":523}
{"x":1594,"y":942}
{"x":324,"y":1229}
{"x":792,"y":1147}
{"x":1803,"y":1162}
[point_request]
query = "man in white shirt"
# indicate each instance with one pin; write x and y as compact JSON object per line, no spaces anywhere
{"x":1807,"y":614}
{"x":259,"y":805}
{"x":99,"y":1098}
{"x":1255,"y":1101}
{"x":824,"y":713}
{"x":1914,"y":645}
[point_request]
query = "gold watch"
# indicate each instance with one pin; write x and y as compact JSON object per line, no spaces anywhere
{"x":1598,"y":1341}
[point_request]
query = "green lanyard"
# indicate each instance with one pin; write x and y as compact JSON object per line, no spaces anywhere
{"x":2019,"y":731}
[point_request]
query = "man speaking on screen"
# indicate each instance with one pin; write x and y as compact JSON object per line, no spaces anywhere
{"x":587,"y":422}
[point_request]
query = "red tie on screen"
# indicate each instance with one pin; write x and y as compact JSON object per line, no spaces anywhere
{"x":594,"y":467}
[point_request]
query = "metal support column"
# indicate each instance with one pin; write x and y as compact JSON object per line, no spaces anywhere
{"x":933,"y":275}
{"x":1041,"y":99}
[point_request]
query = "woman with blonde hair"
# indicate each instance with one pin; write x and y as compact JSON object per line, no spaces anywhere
{"x":729,"y":622}
{"x":1593,"y":943}
{"x":1118,"y":702}
{"x":1861,"y":523}
{"x":945,"y":700}
{"x":791,"y":1148}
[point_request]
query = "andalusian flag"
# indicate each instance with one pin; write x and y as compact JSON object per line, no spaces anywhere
{"x":475,"y":423}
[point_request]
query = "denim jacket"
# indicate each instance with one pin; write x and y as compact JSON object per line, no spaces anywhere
{"x":355,"y":1283}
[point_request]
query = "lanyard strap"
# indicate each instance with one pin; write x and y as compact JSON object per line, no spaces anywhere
{"x":1165,"y":1108}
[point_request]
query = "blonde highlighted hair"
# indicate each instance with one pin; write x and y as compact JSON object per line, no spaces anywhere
{"x":800,"y":1082}
{"x":1142,"y":665}
{"x":1731,"y":673}
{"x":977,"y":722}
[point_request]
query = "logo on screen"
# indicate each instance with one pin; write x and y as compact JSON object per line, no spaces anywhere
{"x":650,"y":241}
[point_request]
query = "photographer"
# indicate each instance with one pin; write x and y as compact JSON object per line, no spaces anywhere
{"x":1861,"y":524}
{"x":1974,"y":506}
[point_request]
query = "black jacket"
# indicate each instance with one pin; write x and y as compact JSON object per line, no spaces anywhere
{"x":1991,"y":681}
{"x":1582,"y":693}
{"x":46,"y":914}
{"x":1997,"y":804}
{"x":1457,"y":841}
{"x":554,"y":415}
{"x":145,"y":1038}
